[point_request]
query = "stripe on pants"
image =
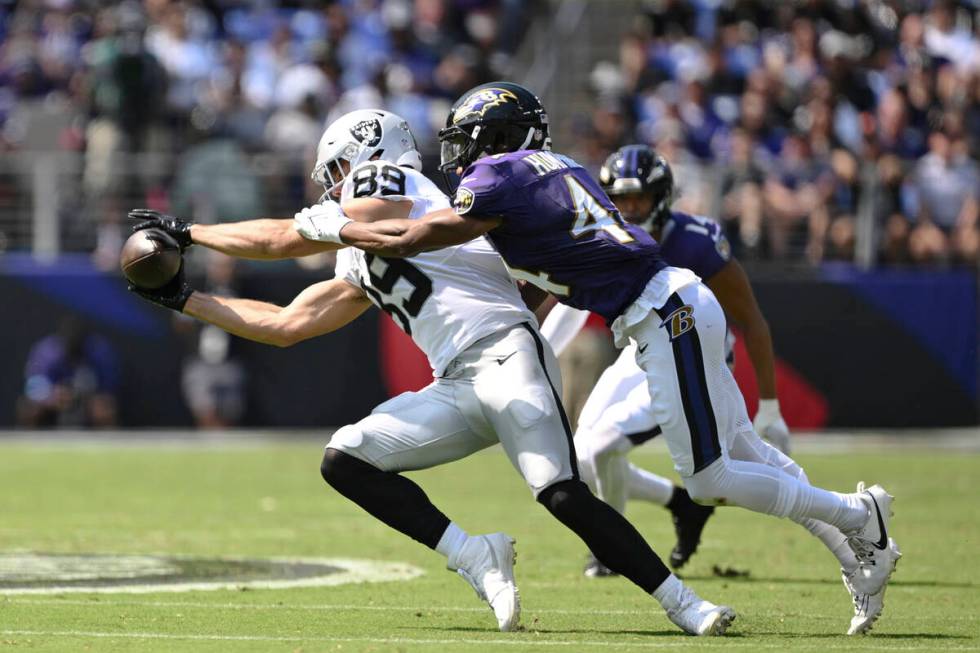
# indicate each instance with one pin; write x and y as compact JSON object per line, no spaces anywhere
{"x":554,"y":393}
{"x":689,"y":364}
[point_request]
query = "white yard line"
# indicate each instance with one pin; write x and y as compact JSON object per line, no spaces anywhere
{"x":516,"y":641}
{"x":102,"y":602}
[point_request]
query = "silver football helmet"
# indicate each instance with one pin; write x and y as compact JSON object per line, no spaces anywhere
{"x":360,"y":136}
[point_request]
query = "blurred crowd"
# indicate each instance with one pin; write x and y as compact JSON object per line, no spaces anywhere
{"x":205,"y":84}
{"x":800,"y":123}
{"x":807,"y":126}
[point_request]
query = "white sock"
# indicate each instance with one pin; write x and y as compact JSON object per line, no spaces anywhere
{"x":647,"y":486}
{"x":834,"y":540}
{"x":669,"y":593}
{"x":769,"y":490}
{"x":451,"y":541}
{"x":749,"y":447}
{"x":853,"y":513}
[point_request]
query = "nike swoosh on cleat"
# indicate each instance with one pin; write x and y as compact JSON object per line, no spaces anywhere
{"x":883,"y":540}
{"x":501,"y":361}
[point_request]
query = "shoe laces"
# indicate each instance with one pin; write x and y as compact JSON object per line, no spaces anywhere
{"x":863,"y":550}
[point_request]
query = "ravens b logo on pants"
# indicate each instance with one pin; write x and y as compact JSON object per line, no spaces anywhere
{"x":679,"y":322}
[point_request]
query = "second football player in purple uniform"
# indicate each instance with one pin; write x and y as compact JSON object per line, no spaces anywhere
{"x":555,"y":227}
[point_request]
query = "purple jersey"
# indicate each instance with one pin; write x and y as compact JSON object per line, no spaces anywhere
{"x":695,"y":243}
{"x":559,"y":230}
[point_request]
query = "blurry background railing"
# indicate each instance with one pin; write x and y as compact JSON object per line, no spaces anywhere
{"x":51,"y":202}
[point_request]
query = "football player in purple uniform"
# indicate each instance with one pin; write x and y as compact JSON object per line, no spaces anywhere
{"x":554,"y":227}
{"x":618,"y":414}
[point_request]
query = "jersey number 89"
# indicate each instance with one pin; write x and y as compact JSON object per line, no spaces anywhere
{"x":378,"y":180}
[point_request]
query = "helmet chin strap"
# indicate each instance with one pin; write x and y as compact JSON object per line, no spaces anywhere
{"x":527,"y":141}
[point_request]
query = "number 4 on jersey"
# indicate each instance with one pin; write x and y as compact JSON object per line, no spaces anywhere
{"x":591,"y":216}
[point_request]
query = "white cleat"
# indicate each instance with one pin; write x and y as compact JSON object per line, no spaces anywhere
{"x":870,"y":543}
{"x":868,"y":607}
{"x":487,"y":564}
{"x":695,"y":616}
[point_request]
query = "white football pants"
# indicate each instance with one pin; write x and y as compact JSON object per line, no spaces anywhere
{"x":695,"y":400}
{"x":504,"y":388}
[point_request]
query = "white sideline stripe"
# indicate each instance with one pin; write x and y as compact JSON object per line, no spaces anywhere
{"x":702,"y":643}
{"x":818,"y":442}
{"x":332,"y":607}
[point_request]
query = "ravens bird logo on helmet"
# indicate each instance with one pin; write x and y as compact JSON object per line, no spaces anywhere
{"x":479,"y":102}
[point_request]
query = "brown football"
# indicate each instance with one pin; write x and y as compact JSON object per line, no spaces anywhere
{"x":150,"y":258}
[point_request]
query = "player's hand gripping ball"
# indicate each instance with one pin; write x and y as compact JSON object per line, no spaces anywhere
{"x":150,"y":258}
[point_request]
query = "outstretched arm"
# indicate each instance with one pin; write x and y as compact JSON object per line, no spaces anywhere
{"x":319,"y":309}
{"x":258,"y":239}
{"x":406,"y":238}
{"x":271,"y":238}
{"x":731,"y":287}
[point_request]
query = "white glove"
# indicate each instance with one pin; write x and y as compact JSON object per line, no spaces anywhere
{"x":770,"y":426}
{"x":321,"y":222}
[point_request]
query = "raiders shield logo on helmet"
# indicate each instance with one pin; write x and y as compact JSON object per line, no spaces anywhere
{"x":367,"y":132}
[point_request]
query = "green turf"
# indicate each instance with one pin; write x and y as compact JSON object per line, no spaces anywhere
{"x":216,"y":501}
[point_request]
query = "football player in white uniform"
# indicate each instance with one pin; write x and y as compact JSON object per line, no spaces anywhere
{"x":494,"y":375}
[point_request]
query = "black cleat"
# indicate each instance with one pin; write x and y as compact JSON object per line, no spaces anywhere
{"x":595,"y":569}
{"x":689,"y":520}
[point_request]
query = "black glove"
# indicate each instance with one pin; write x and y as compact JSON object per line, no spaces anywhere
{"x":179,"y":229}
{"x":173,"y":295}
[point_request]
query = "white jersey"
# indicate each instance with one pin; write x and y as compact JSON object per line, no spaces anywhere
{"x":446,"y":299}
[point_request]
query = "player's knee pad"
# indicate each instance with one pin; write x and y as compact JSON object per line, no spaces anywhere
{"x":340,"y":469}
{"x":562,"y":498}
{"x":541,"y":470}
{"x":533,"y":406}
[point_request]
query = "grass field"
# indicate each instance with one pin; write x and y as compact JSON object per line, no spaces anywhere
{"x":260,"y":499}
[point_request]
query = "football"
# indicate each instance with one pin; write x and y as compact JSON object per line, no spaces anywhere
{"x":150,"y":258}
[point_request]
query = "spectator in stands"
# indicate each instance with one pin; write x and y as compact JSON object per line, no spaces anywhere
{"x":71,"y":380}
{"x":889,"y":215}
{"x":125,"y":88}
{"x":946,"y":190}
{"x":833,"y":222}
{"x":185,"y":55}
{"x":741,"y":189}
